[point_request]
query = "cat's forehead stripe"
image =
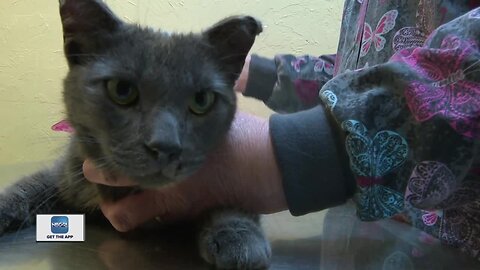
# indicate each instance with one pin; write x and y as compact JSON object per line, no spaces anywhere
{"x":218,"y":82}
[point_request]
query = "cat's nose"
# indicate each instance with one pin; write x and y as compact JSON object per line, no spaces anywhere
{"x":163,"y":138}
{"x":169,"y":150}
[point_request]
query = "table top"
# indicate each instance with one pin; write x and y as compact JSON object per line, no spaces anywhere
{"x":331,"y":239}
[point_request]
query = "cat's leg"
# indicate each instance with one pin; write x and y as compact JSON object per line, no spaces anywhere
{"x":232,"y":239}
{"x":33,"y":194}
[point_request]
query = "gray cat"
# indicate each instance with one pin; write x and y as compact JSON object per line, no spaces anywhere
{"x":151,"y":106}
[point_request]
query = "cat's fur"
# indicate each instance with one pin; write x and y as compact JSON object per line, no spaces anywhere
{"x":157,"y":139}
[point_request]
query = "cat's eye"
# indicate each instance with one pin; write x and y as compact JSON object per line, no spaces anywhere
{"x":202,"y":102}
{"x":122,"y":92}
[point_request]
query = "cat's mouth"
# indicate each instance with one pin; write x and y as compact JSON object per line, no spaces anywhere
{"x":178,"y":170}
{"x":142,"y":168}
{"x":154,"y":175}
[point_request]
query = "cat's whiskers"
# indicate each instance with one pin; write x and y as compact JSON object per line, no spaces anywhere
{"x":34,"y":211}
{"x":76,"y":176}
{"x":85,"y":139}
{"x":121,"y":144}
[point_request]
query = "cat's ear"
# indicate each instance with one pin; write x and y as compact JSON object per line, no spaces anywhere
{"x":85,"y":23}
{"x":232,"y":39}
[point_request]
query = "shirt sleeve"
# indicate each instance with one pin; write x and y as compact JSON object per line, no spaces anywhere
{"x":287,"y":83}
{"x":412,"y":131}
{"x":312,"y":160}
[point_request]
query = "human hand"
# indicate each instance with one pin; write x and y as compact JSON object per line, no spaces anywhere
{"x":241,"y":83}
{"x":242,"y":173}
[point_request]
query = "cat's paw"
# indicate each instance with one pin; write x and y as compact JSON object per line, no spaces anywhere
{"x":12,"y":216}
{"x":233,"y":242}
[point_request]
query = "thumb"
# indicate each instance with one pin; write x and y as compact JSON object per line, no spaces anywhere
{"x":165,"y":205}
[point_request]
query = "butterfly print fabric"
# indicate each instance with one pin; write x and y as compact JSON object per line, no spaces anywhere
{"x":374,"y":37}
{"x":403,"y":93}
{"x":412,"y":123}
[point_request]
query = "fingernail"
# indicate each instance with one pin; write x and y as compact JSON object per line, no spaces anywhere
{"x":122,"y":225}
{"x":119,"y":221}
{"x":91,"y":172}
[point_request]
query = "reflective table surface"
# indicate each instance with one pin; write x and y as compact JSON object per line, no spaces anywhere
{"x":332,"y":239}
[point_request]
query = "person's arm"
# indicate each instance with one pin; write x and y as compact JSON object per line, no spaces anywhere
{"x":286,"y":83}
{"x":312,"y":160}
{"x":244,"y":172}
{"x":307,"y":144}
{"x":413,"y":127}
{"x":241,"y":173}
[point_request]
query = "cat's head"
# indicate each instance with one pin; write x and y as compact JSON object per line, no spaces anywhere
{"x":146,"y":103}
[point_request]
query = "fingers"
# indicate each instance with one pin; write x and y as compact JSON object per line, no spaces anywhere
{"x":165,"y":205}
{"x":241,"y":83}
{"x":100,"y":177}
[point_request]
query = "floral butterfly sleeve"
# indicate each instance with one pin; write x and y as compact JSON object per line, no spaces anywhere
{"x":294,"y":82}
{"x":412,"y":129}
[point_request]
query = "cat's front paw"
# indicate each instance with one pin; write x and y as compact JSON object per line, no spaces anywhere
{"x":235,"y":243}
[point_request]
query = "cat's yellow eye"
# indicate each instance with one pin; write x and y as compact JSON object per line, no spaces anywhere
{"x":202,"y":102}
{"x":121,"y":92}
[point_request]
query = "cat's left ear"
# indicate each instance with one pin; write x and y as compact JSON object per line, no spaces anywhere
{"x":232,"y":39}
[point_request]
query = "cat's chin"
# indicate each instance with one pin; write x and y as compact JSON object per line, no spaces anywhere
{"x":167,"y":175}
{"x":179,"y":171}
{"x":158,"y":180}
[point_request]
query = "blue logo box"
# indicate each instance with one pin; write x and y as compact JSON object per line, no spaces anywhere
{"x":59,"y":224}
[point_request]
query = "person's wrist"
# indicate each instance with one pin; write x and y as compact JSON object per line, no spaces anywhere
{"x":262,"y":177}
{"x":274,"y":196}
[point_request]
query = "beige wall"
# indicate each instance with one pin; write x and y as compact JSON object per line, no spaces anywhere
{"x":32,"y":64}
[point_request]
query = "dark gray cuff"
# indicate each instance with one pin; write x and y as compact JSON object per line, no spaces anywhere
{"x":310,"y":153}
{"x":262,"y":75}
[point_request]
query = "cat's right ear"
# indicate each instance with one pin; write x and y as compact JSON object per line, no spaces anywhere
{"x":85,"y":23}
